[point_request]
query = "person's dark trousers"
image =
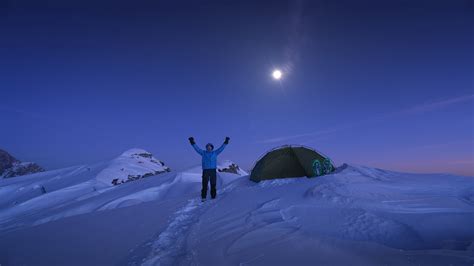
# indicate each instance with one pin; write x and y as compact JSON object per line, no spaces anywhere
{"x":209,"y":175}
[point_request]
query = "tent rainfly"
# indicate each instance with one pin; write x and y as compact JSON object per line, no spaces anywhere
{"x":291,"y":161}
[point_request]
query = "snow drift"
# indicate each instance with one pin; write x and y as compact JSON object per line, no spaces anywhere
{"x":356,"y":215}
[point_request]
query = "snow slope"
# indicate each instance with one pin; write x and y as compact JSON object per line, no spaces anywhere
{"x":43,"y":197}
{"x":357,"y":216}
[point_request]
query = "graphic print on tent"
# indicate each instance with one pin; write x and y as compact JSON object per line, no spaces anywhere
{"x":328,"y":167}
{"x":291,"y":161}
{"x":317,"y":167}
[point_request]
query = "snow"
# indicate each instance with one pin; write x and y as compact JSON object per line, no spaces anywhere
{"x":357,"y":215}
{"x":52,"y":195}
{"x":132,"y":164}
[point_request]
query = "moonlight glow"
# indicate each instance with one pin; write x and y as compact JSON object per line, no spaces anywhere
{"x":276,"y":74}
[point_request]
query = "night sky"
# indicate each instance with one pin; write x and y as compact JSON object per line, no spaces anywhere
{"x":386,"y":84}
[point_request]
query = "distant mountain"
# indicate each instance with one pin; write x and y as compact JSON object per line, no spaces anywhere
{"x":11,"y":167}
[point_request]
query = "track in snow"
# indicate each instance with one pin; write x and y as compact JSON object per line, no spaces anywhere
{"x":169,"y":246}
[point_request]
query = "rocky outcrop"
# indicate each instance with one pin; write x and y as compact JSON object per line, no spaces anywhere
{"x":233,"y":169}
{"x":11,"y":167}
{"x":230,"y":167}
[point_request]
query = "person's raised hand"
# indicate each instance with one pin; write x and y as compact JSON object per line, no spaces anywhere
{"x":226,"y":141}
{"x":191,"y":140}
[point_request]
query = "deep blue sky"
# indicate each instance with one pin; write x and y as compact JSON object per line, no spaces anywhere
{"x":380,"y":83}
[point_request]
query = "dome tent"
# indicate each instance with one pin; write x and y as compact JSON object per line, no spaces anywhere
{"x":291,"y":161}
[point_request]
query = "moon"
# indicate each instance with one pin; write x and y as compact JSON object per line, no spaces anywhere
{"x":277,"y":74}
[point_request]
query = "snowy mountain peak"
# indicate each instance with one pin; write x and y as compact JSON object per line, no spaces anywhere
{"x":11,"y":167}
{"x":131,"y":165}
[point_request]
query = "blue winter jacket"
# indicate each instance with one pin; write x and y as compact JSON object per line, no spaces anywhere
{"x":209,"y":158}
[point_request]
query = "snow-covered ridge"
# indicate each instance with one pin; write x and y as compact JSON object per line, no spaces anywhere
{"x":53,"y":195}
{"x":131,"y":165}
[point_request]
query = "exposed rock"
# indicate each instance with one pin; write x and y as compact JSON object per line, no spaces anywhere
{"x":230,"y":167}
{"x":11,"y":167}
{"x":233,"y":168}
{"x":19,"y":169}
{"x":6,"y":161}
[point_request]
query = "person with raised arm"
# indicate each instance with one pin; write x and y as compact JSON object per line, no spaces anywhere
{"x":209,"y":165}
